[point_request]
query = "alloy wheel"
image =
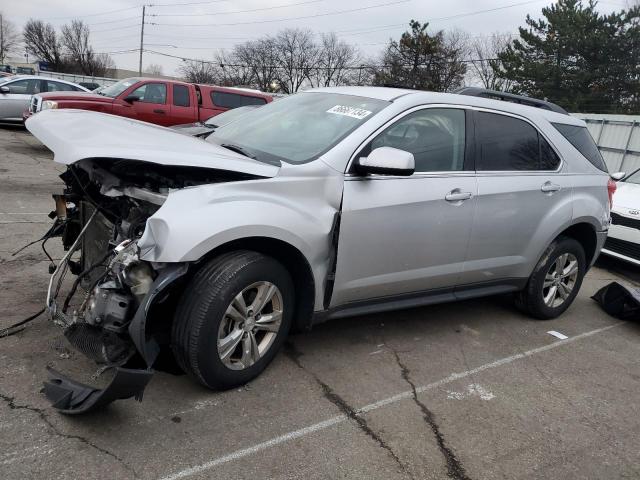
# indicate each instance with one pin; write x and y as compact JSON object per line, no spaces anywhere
{"x":560,"y":280}
{"x":250,"y":325}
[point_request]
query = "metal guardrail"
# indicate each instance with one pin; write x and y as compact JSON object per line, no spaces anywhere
{"x":618,"y":141}
{"x":75,"y":78}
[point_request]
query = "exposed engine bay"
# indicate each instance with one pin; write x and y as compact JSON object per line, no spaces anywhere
{"x":100,"y":216}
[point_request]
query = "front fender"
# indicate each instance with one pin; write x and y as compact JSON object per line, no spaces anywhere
{"x":296,"y":210}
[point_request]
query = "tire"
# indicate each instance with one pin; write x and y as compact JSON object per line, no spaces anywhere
{"x":204,"y":318}
{"x":539,"y":287}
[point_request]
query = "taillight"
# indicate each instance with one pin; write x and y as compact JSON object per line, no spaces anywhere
{"x":611,"y":189}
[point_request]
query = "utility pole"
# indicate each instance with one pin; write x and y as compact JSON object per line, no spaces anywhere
{"x":141,"y":40}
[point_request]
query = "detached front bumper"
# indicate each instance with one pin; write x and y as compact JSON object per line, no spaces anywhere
{"x":73,"y":398}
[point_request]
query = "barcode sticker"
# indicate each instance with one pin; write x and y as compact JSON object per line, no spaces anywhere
{"x":352,"y":112}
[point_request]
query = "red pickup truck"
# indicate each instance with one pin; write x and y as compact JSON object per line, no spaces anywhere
{"x":159,"y":101}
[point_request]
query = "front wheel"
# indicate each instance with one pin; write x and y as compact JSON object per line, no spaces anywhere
{"x":555,"y":281}
{"x":232,"y":319}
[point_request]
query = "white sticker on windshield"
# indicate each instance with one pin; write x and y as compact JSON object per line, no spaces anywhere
{"x":352,"y":112}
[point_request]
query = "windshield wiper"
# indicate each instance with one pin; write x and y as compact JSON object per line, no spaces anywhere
{"x":237,"y":149}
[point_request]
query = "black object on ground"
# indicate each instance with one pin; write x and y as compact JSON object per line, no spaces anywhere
{"x":71,"y":397}
{"x":619,"y":301}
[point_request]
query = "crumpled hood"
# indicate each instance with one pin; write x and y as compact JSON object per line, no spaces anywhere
{"x":74,"y":135}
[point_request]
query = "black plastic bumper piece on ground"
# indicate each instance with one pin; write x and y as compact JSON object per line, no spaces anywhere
{"x":72,"y":398}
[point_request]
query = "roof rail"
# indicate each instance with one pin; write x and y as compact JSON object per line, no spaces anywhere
{"x":510,"y":97}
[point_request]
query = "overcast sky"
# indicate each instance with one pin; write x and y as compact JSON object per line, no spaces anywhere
{"x":196,"y":28}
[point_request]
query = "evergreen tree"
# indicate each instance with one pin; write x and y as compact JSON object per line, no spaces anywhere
{"x":422,"y":61}
{"x":578,"y":58}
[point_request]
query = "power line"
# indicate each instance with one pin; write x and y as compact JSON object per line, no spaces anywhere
{"x":326,"y":14}
{"x":358,"y":67}
{"x":362,"y":31}
{"x":234,"y":12}
{"x":190,"y":37}
{"x":478,"y":12}
{"x":94,"y":14}
{"x":186,"y":3}
{"x":124,"y":27}
{"x":114,"y":21}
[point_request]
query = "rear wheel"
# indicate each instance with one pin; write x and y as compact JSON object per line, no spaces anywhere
{"x":555,"y":281}
{"x":232,"y":319}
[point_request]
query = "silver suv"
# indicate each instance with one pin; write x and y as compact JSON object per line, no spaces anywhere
{"x":326,"y":204}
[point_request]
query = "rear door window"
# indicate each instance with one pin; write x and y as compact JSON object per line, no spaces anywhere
{"x":181,"y":95}
{"x":234,"y":100}
{"x":581,"y":139}
{"x":509,"y":144}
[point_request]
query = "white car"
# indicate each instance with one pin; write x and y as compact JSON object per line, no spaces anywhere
{"x":16,"y":92}
{"x":624,"y":233}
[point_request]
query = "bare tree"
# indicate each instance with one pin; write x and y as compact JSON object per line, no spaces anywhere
{"x":452,"y":66}
{"x":9,"y":38}
{"x":41,"y":40}
{"x":261,"y":56}
{"x":79,"y":56}
{"x":336,"y":62}
{"x":485,"y":66}
{"x":102,"y":65}
{"x":195,"y":71}
{"x":77,"y":50}
{"x":153,"y":70}
{"x":234,"y":69}
{"x":297,"y":55}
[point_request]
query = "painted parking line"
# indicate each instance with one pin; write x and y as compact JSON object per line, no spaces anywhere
{"x":374,"y":406}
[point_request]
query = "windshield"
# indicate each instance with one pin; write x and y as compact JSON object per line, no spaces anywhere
{"x":117,"y":88}
{"x":228,"y":116}
{"x":299,"y":128}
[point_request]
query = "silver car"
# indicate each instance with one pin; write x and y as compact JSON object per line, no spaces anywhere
{"x":326,"y":204}
{"x":16,"y":92}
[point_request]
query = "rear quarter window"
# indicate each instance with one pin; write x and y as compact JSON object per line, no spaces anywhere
{"x":581,"y":139}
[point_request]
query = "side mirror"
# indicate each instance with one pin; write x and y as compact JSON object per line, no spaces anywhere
{"x":5,"y":90}
{"x":387,"y":161}
{"x":617,"y":176}
{"x":132,"y":98}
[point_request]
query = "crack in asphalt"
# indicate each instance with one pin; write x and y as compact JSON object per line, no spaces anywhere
{"x":10,"y":401}
{"x":454,"y":467}
{"x":294,"y":355}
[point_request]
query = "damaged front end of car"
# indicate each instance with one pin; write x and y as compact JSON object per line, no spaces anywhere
{"x":104,"y":311}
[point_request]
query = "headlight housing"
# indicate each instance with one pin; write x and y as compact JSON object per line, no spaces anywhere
{"x":47,"y":104}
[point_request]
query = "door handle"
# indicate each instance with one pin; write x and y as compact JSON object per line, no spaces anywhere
{"x":457,"y":196}
{"x":158,"y":110}
{"x":549,"y":187}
